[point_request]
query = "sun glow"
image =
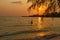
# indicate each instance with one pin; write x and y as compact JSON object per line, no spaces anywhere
{"x":42,"y":9}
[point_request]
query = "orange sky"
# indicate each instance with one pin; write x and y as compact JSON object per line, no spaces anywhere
{"x":16,"y":9}
{"x":13,"y":9}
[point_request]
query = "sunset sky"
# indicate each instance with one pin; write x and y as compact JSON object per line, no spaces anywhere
{"x":16,"y":8}
{"x":7,"y":8}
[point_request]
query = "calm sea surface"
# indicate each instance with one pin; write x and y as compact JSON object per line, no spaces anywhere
{"x":20,"y":28}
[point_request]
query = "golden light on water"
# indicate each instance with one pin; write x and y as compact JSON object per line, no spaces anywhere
{"x":42,"y":34}
{"x":39,"y":24}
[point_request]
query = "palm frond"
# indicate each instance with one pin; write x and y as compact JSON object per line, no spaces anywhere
{"x":59,"y":3}
{"x":50,"y":6}
{"x":38,"y":3}
{"x":32,"y":7}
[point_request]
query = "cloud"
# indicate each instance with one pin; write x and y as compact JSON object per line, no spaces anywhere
{"x":18,"y":2}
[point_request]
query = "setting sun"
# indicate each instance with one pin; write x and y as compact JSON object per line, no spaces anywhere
{"x":42,"y":9}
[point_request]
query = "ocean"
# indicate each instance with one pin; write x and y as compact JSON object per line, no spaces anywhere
{"x":29,"y":28}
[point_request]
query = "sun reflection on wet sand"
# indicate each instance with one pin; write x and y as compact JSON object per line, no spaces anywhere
{"x":42,"y":34}
{"x":40,"y":25}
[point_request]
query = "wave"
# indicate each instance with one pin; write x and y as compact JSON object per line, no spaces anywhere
{"x":23,"y":32}
{"x":46,"y":37}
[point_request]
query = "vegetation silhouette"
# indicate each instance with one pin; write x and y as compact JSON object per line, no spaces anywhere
{"x":48,"y":12}
{"x":56,"y":14}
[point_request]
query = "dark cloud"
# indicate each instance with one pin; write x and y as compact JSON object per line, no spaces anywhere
{"x":16,"y":2}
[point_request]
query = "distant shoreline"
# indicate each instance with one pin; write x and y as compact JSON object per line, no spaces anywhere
{"x":38,"y":16}
{"x":45,"y":15}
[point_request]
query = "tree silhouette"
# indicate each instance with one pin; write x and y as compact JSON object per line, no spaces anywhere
{"x":51,"y":5}
{"x":59,"y":3}
{"x":35,"y":4}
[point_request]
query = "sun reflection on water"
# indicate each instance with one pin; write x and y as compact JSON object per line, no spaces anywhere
{"x":42,"y":34}
{"x":39,"y":23}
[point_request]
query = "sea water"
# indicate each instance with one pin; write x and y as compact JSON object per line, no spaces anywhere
{"x":19,"y":28}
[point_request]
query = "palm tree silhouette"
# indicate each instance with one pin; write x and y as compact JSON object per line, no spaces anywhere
{"x":51,"y":6}
{"x":59,"y":4}
{"x":35,"y":4}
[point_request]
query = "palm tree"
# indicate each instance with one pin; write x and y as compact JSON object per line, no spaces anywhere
{"x":59,"y":4}
{"x":50,"y":6}
{"x":35,"y":4}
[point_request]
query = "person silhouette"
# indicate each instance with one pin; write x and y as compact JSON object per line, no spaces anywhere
{"x":31,"y":22}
